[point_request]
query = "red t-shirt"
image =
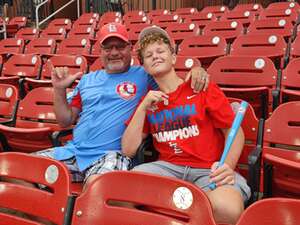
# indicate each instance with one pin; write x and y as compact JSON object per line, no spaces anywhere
{"x":186,"y":129}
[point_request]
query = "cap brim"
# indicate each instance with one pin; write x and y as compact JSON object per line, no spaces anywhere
{"x":114,"y":35}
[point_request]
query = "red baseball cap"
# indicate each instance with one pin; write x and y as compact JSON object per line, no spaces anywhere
{"x":113,"y":30}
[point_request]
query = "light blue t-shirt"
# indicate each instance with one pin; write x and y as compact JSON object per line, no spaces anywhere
{"x":107,"y":101}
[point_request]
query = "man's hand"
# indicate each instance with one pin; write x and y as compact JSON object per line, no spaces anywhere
{"x":200,"y":79}
{"x":151,"y":100}
{"x":60,"y":77}
{"x":221,"y":175}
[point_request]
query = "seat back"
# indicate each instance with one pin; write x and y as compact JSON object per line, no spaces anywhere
{"x":184,"y":64}
{"x":284,"y":5}
{"x":23,"y":65}
{"x":56,"y":33}
{"x":186,"y":11}
{"x":75,"y":46}
{"x":273,"y":211}
{"x":165,"y":20}
{"x":61,"y":22}
{"x":268,"y":45}
{"x":49,"y":203}
{"x":179,"y":202}
{"x":200,"y":19}
{"x":288,"y":14}
{"x":82,"y":31}
{"x":217,"y":10}
{"x":179,"y":32}
{"x":12,"y":46}
{"x":75,"y":64}
{"x":249,"y":78}
{"x":245,"y":17}
{"x":41,"y":46}
{"x":28,"y":33}
{"x":204,"y":48}
{"x":8,"y":101}
{"x":290,"y":82}
{"x":281,"y":152}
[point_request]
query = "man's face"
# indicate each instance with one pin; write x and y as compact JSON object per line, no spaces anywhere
{"x":115,"y":55}
{"x":158,"y":59}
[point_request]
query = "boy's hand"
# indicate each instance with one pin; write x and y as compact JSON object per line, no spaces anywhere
{"x":200,"y":79}
{"x":151,"y":100}
{"x":221,"y":175}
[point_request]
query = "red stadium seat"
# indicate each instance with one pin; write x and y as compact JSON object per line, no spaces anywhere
{"x":201,"y":19}
{"x":179,"y":32}
{"x":57,"y":33}
{"x":74,"y":46}
{"x":20,"y":66}
{"x":11,"y":46}
{"x":109,"y":17}
{"x":280,"y":153}
{"x":41,"y":46}
{"x":269,"y":45}
{"x":97,"y":65}
{"x":133,"y":13}
{"x":184,"y":64}
{"x":8,"y":102}
{"x":137,"y":20}
{"x":85,"y":21}
{"x":134,"y":31}
{"x":91,"y":15}
{"x":252,"y":7}
{"x":217,"y":10}
{"x":48,"y":205}
{"x":282,"y":27}
{"x":75,"y":63}
{"x":288,"y":14}
{"x":165,"y":20}
{"x":244,"y":17}
{"x":247,"y":77}
{"x":95,"y":52}
{"x":186,"y":11}
{"x":284,"y":5}
{"x":34,"y":124}
{"x":28,"y":33}
{"x":61,"y":22}
{"x":273,"y":211}
{"x":290,"y":82}
{"x":204,"y":48}
{"x":295,"y":48}
{"x":83,"y":31}
{"x":157,"y":12}
{"x":14,"y":24}
{"x":179,"y":202}
{"x":226,"y":29}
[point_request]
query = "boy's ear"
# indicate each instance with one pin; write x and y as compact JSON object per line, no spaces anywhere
{"x":173,"y":59}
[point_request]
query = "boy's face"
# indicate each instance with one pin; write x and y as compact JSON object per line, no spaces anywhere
{"x":158,"y":58}
{"x":116,"y":55}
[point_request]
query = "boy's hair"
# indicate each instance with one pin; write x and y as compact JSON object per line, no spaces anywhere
{"x":152,"y":38}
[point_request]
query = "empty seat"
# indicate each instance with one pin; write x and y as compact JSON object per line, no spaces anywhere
{"x":28,"y":33}
{"x":226,"y":29}
{"x":290,"y":82}
{"x":75,"y":63}
{"x":134,"y":13}
{"x":288,"y":14}
{"x":14,"y":24}
{"x":84,"y":31}
{"x":273,"y":211}
{"x":252,"y":7}
{"x":74,"y":46}
{"x":179,"y":32}
{"x":269,"y":45}
{"x":61,"y":22}
{"x":137,"y":20}
{"x":11,"y":46}
{"x":41,"y":46}
{"x":200,"y":19}
{"x":8,"y":102}
{"x":34,"y":125}
{"x":184,"y":64}
{"x":19,"y":66}
{"x":284,"y":5}
{"x":246,"y":77}
{"x":48,"y":204}
{"x":165,"y":20}
{"x":186,"y":11}
{"x":244,"y":17}
{"x":280,"y":153}
{"x":282,"y":27}
{"x":217,"y":10}
{"x":56,"y":33}
{"x":172,"y":207}
{"x":157,"y":12}
{"x":134,"y":31}
{"x":204,"y":48}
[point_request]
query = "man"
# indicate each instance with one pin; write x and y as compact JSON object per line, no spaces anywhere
{"x":188,"y":130}
{"x":101,"y":103}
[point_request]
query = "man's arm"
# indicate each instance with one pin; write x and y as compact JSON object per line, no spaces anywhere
{"x":133,"y":135}
{"x":61,"y":79}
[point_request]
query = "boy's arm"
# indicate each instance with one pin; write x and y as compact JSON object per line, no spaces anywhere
{"x":133,"y":135}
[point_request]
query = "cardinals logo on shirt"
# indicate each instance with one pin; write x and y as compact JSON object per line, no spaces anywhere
{"x":126,"y":90}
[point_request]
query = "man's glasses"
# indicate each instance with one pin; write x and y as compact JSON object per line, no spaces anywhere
{"x":118,"y":47}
